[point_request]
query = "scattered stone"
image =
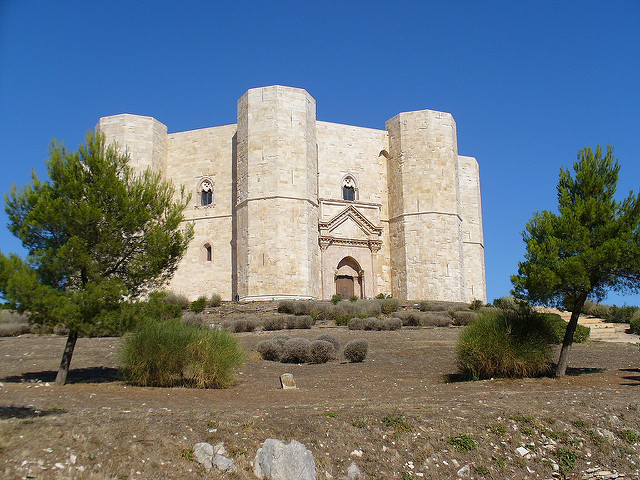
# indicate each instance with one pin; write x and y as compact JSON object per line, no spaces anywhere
{"x":354,"y":473}
{"x":203,"y":454}
{"x":276,"y":460}
{"x":357,"y":453}
{"x":209,"y":456}
{"x":464,"y":471}
{"x":287,"y":382}
{"x":522,"y":451}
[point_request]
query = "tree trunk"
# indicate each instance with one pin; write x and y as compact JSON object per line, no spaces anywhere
{"x":568,"y":337}
{"x":61,"y":378}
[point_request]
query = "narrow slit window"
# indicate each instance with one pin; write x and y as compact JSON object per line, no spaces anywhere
{"x":208,"y":253}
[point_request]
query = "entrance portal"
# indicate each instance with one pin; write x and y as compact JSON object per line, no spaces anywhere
{"x":344,"y":286}
{"x":349,"y":278}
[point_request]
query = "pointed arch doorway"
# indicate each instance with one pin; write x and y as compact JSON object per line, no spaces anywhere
{"x":349,"y":278}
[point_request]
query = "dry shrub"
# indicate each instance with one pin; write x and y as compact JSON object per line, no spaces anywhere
{"x":238,"y":325}
{"x":411,"y":318}
{"x":389,"y":305}
{"x":215,"y":300}
{"x":435,"y":319}
{"x":392,"y":323}
{"x":177,"y":299}
{"x":269,"y":350}
{"x":13,"y":324}
{"x":273,"y":323}
{"x":295,"y":307}
{"x":331,"y":338}
{"x":295,"y":321}
{"x":281,"y":340}
{"x":296,"y":350}
{"x":194,"y":318}
{"x":322,"y":351}
{"x":166,"y":354}
{"x":439,"y":306}
{"x":509,"y":344}
{"x":356,"y":350}
{"x":374,"y":323}
{"x":464,"y":317}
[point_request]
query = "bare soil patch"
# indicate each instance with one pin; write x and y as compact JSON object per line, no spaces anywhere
{"x":394,"y":415}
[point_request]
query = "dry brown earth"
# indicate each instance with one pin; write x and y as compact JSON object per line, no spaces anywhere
{"x":97,"y":427}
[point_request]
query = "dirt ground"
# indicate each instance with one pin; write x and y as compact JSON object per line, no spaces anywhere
{"x":396,"y":415}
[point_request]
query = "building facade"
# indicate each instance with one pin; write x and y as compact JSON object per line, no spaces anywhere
{"x":285,"y":206}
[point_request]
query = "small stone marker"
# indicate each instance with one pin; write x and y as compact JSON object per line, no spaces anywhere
{"x":287,"y":382}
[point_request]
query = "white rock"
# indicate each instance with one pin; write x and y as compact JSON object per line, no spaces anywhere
{"x":276,"y":460}
{"x":464,"y":471}
{"x":203,"y":454}
{"x":354,"y":473}
{"x":522,"y":451}
{"x":357,"y":453}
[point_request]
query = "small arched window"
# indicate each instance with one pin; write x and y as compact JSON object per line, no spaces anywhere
{"x":348,"y":189}
{"x":206,"y":192}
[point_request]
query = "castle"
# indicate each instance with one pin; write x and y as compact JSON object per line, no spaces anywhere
{"x":285,"y":206}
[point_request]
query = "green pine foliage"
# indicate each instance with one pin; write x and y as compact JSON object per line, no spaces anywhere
{"x":95,"y":232}
{"x":591,"y":246}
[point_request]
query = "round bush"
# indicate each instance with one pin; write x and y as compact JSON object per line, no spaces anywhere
{"x":239,"y":325}
{"x":198,"y":305}
{"x":389,"y":305}
{"x":322,"y":351}
{"x":332,"y":339}
{"x":296,"y":350}
{"x":504,"y":346}
{"x":273,"y":323}
{"x":635,"y":325}
{"x":464,"y":318}
{"x":295,"y":321}
{"x":392,"y":324}
{"x":269,"y":350}
{"x":166,"y":354}
{"x":356,"y":350}
{"x":215,"y":300}
{"x":356,"y":323}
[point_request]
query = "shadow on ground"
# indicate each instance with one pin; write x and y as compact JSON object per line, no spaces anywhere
{"x":635,"y":379}
{"x":571,"y":371}
{"x":27,"y":412}
{"x":79,"y":375}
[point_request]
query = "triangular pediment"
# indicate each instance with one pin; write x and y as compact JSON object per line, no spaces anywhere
{"x":350,"y":223}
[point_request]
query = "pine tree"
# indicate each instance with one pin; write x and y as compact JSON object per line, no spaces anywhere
{"x":590,"y":247}
{"x":95,"y":233}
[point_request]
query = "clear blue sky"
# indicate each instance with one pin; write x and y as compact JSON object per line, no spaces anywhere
{"x":529,"y":83}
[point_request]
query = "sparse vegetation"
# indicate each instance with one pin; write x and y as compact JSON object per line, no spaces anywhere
{"x":322,"y":351}
{"x":269,"y":350}
{"x":167,"y":354}
{"x":238,"y":325}
{"x":374,"y":323}
{"x":296,"y":350}
{"x":397,"y":421}
{"x":463,"y":443}
{"x":198,"y":305}
{"x":13,"y":323}
{"x":510,"y":344}
{"x":356,"y":350}
{"x":567,"y":458}
{"x":332,"y":339}
{"x":215,"y":300}
{"x":412,"y":318}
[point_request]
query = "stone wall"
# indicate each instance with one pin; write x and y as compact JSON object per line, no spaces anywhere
{"x":277,"y":225}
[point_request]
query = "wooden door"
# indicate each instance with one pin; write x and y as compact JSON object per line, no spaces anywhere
{"x":344,"y":286}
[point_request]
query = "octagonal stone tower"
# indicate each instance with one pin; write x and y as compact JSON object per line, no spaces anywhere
{"x":277,"y":199}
